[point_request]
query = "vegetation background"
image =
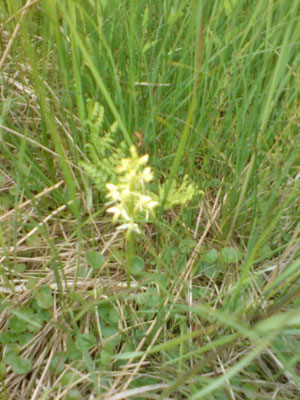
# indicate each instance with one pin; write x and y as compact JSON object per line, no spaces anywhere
{"x":206,"y":88}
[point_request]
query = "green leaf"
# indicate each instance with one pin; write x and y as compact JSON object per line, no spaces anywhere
{"x":17,"y":325}
{"x":209,"y":269}
{"x":109,"y":331}
{"x":144,"y":381}
{"x":69,"y":377}
{"x":19,"y":268}
{"x":23,"y":338}
{"x":44,"y":297}
{"x":35,"y":321}
{"x":31,"y":282}
{"x":82,"y":272}
{"x":186,"y":245}
{"x":11,"y":355}
{"x":26,"y":314}
{"x":72,"y":352}
{"x":106,"y":356}
{"x":95,"y":259}
{"x":44,"y":315}
{"x":116,"y":255}
{"x":57,"y":364}
{"x":21,"y":365}
{"x":265,"y":252}
{"x":213,"y":270}
{"x":85,"y":341}
{"x":211,"y":256}
{"x":136,"y":266}
{"x":150,"y":298}
{"x":231,"y":255}
{"x":7,"y":337}
{"x":73,"y":394}
{"x":108,"y":312}
{"x":111,"y":338}
{"x":250,"y":390}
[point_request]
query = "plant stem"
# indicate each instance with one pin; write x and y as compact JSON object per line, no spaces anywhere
{"x":129,"y":255}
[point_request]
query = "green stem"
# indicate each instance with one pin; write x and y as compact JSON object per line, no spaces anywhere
{"x":129,"y":255}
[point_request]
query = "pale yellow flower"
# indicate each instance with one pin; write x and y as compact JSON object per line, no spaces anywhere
{"x":128,"y":196}
{"x":129,"y":227}
{"x":147,"y":175}
{"x":113,"y":191}
{"x":146,"y":204}
{"x":119,"y":212}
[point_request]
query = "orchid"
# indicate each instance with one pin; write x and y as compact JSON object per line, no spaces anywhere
{"x":128,"y":197}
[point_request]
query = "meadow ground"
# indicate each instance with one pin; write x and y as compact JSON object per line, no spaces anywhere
{"x":203,"y":302}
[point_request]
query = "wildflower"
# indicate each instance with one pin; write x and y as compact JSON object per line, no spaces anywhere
{"x":130,"y":227}
{"x":128,"y":196}
{"x":118,"y":212}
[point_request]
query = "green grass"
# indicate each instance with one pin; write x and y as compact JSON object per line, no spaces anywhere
{"x":207,"y":89}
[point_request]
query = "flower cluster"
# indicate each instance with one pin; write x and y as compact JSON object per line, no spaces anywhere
{"x":128,"y":197}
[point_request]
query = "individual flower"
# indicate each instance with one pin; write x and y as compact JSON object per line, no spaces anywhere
{"x":119,"y":212}
{"x":147,"y":174}
{"x":129,"y":227}
{"x":145,"y":204}
{"x":113,"y":191}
